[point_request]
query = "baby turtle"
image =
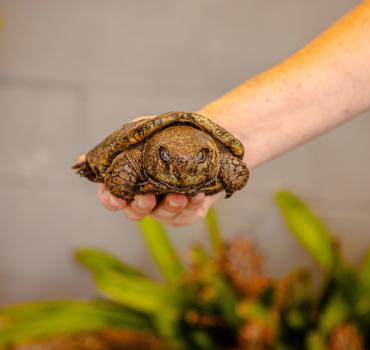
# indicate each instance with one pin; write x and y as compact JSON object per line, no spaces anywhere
{"x":175,"y":152}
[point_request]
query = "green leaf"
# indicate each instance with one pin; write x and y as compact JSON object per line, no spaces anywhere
{"x":223,"y":294}
{"x":137,"y":292}
{"x":29,"y":321}
{"x":161,"y":303}
{"x":167,"y":326}
{"x":161,"y":249}
{"x":227,"y":300}
{"x":298,"y":289}
{"x":97,"y":260}
{"x":364,"y":273}
{"x":315,"y":341}
{"x":214,"y":232}
{"x":362,"y":302}
{"x":255,"y":310}
{"x":296,"y":318}
{"x":335,"y":312}
{"x":308,"y":229}
{"x":201,"y":340}
{"x":123,"y":283}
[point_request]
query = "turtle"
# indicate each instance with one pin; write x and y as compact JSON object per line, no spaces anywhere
{"x":175,"y":152}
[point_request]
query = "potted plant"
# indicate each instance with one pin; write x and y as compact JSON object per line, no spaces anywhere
{"x":221,"y":299}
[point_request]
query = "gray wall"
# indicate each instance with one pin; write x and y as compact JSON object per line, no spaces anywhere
{"x":72,"y":71}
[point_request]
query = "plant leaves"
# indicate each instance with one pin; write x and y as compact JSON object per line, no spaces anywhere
{"x":163,"y":304}
{"x":335,"y":312}
{"x":214,"y":232}
{"x":137,"y":292}
{"x":161,"y":249}
{"x":123,"y":283}
{"x":98,"y":260}
{"x":224,"y":295}
{"x":364,"y":273}
{"x":35,"y":320}
{"x":308,"y":229}
{"x":315,"y":341}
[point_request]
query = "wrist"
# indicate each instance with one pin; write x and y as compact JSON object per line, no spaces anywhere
{"x":235,"y":121}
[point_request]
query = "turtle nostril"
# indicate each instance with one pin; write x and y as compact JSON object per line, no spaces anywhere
{"x":177,"y":174}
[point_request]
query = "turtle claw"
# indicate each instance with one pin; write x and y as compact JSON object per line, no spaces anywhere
{"x":84,"y":170}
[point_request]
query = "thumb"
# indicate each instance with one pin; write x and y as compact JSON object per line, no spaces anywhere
{"x":208,"y":202}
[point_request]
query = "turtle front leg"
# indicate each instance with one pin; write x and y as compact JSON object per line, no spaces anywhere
{"x":233,"y":173}
{"x":122,"y":177}
{"x":212,"y":188}
{"x":83,"y":169}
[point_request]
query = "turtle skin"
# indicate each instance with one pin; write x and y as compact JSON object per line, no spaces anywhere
{"x":175,"y":152}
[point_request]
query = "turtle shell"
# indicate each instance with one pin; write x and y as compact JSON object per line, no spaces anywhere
{"x":101,"y":156}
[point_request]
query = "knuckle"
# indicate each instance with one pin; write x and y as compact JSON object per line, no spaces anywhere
{"x":160,"y":219}
{"x":141,"y":211}
{"x":182,"y":221}
{"x":195,"y":206}
{"x":202,"y":212}
{"x":173,"y":209}
{"x":110,"y":208}
{"x":177,"y":224}
{"x":144,"y":203}
{"x":162,"y":216}
{"x":132,"y":215}
{"x":105,"y":204}
{"x":187,"y":213}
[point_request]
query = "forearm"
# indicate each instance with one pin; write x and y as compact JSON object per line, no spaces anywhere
{"x":321,"y":86}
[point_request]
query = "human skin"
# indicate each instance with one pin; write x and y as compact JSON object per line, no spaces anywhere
{"x":318,"y":88}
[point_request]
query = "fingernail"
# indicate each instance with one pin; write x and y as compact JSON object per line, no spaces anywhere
{"x":141,"y":202}
{"x":81,"y":158}
{"x":174,"y":203}
{"x":113,"y":202}
{"x":105,"y":194}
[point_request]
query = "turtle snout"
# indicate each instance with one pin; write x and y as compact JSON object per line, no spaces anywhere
{"x":180,"y":173}
{"x":177,"y":174}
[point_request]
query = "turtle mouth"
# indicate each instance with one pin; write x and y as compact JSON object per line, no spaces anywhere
{"x":185,"y":189}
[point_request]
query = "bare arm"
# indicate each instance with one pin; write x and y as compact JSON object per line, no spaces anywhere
{"x":319,"y":87}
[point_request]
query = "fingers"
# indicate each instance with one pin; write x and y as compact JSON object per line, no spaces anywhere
{"x":169,"y":207}
{"x":208,"y":202}
{"x":109,"y":201}
{"x":197,"y":208}
{"x":175,"y":209}
{"x":81,"y":158}
{"x":190,"y":213}
{"x":136,"y":210}
{"x":142,"y":205}
{"x":179,"y":210}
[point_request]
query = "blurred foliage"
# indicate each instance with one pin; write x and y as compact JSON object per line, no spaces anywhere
{"x":220,"y":299}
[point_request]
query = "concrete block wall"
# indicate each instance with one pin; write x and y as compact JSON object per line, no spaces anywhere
{"x":72,"y":71}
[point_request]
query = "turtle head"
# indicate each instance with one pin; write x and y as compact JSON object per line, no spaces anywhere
{"x":181,"y":157}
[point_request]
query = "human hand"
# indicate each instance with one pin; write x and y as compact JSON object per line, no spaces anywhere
{"x":175,"y":209}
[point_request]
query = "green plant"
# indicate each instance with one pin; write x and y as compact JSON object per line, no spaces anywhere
{"x":344,"y":299}
{"x":221,"y":299}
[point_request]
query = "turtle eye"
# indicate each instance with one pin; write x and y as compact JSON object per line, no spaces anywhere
{"x":164,"y":154}
{"x":201,"y":156}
